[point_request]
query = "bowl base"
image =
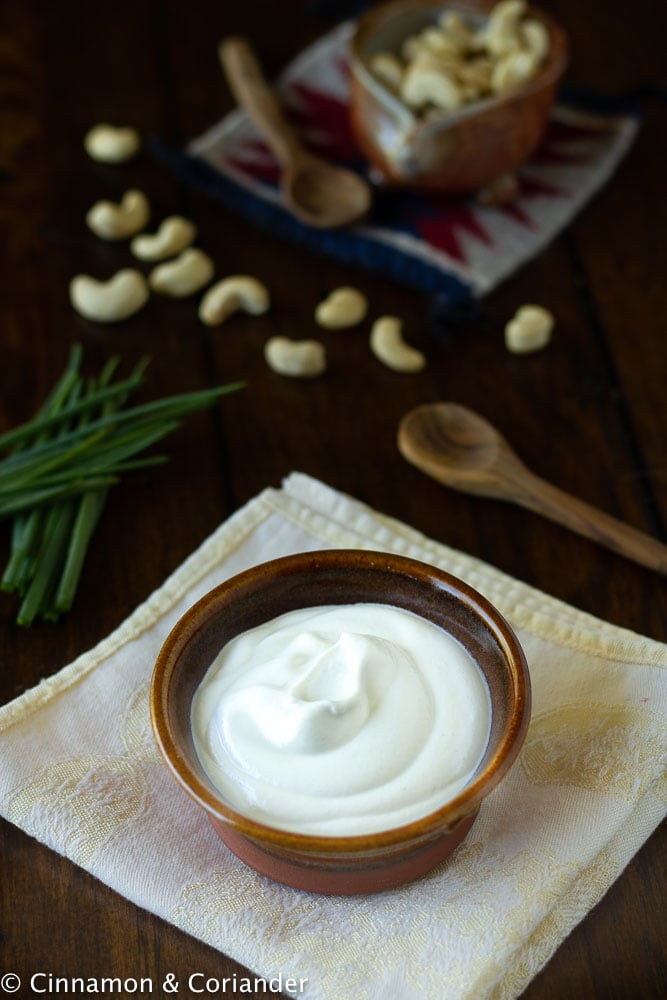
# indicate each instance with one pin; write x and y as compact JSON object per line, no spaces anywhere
{"x":341,"y":880}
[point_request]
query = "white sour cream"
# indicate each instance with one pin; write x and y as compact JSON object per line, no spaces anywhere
{"x":341,"y":720}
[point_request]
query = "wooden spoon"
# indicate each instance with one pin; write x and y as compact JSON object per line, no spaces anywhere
{"x":317,"y":192}
{"x":463,"y":450}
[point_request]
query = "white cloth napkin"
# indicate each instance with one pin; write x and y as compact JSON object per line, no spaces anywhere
{"x":79,"y":771}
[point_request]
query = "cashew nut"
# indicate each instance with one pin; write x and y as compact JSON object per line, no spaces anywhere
{"x":529,"y":330}
{"x":457,"y":31}
{"x":109,"y":301}
{"x":501,"y":32}
{"x":175,"y":234}
{"x":110,"y":221}
{"x":439,"y":43}
{"x":238,"y":293}
{"x":109,"y":144}
{"x":389,"y":347}
{"x":535,"y":38}
{"x":512,"y":69}
{"x":474,"y":76}
{"x":184,"y":276}
{"x":388,"y":69}
{"x":344,"y":307}
{"x":500,"y":191}
{"x":427,"y":82}
{"x":296,"y":358}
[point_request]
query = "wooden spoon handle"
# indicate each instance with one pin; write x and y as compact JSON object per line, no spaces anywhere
{"x":544,"y":498}
{"x":256,"y":97}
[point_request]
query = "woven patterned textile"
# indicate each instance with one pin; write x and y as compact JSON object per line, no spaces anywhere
{"x":453,"y":247}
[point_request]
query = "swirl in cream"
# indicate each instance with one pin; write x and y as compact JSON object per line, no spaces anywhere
{"x":341,"y":720}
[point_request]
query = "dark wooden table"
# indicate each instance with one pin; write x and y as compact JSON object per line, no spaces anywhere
{"x":590,"y":412}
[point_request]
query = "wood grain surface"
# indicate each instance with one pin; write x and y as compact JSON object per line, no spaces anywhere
{"x":589,"y":413}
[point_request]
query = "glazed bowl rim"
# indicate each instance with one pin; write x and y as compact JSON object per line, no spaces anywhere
{"x":440,"y":821}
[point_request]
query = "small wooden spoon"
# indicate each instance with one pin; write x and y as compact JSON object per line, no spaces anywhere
{"x":463,"y":450}
{"x":317,"y":192}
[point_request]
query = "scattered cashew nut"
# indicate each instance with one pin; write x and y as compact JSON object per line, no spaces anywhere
{"x":109,"y":301}
{"x":174,"y":235}
{"x":389,"y":347}
{"x":344,"y":307}
{"x":109,"y":144}
{"x":110,"y":221}
{"x":500,"y":191}
{"x":529,"y":330}
{"x":238,"y":293}
{"x":296,"y":358}
{"x":184,"y":276}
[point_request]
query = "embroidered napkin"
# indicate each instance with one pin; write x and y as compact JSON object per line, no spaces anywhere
{"x":586,"y":792}
{"x":454,"y":247}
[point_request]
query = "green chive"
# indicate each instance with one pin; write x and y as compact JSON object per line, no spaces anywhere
{"x":61,"y":464}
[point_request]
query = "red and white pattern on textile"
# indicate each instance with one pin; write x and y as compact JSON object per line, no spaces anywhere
{"x":479,"y":245}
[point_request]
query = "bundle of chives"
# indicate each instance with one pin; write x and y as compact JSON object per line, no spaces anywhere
{"x":55,"y":480}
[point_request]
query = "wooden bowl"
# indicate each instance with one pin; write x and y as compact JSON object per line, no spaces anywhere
{"x":459,"y":152}
{"x":354,"y":864}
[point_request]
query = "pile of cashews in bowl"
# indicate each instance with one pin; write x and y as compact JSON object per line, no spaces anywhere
{"x":181,"y":270}
{"x":453,"y":63}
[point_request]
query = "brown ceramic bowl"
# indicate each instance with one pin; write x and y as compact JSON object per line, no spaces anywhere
{"x":460,"y":152}
{"x":340,"y":865}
